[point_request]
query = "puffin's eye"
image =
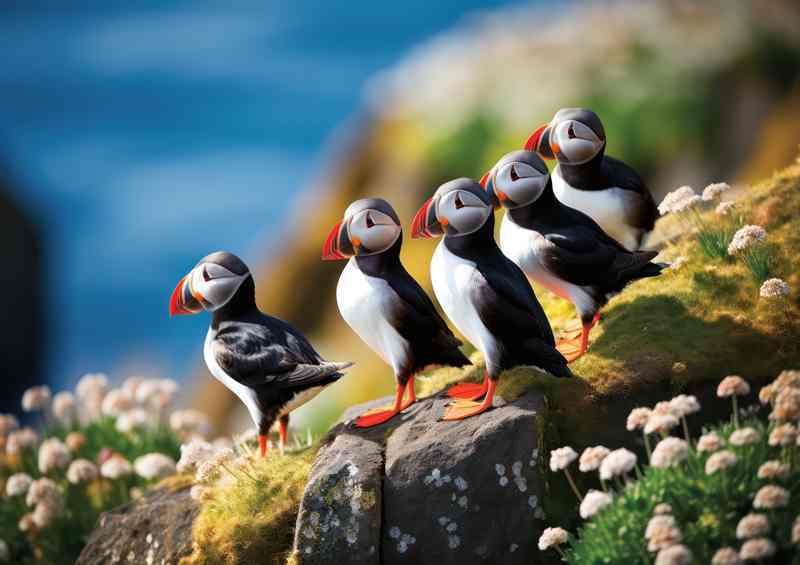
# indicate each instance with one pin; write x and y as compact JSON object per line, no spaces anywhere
{"x":370,"y":223}
{"x":459,"y":204}
{"x":206,"y":276}
{"x":571,"y":132}
{"x":514,"y":175}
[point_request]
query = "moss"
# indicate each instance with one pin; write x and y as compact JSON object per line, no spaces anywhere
{"x":176,"y":482}
{"x":251,"y":521}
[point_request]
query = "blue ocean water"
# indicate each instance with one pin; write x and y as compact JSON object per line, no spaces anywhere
{"x":144,"y":135}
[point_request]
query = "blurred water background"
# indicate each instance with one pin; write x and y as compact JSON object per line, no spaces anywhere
{"x":136,"y":139}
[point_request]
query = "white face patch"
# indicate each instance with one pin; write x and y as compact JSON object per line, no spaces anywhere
{"x":464,"y":212}
{"x":375,"y":231}
{"x":215,"y":284}
{"x":575,"y":141}
{"x":520,"y":183}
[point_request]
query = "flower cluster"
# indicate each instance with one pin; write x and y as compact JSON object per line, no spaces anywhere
{"x":745,"y":238}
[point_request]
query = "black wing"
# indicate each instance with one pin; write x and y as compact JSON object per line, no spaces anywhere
{"x":621,"y":175}
{"x":256,"y":355}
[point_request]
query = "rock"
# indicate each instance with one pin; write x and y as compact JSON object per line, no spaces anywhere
{"x":155,"y":530}
{"x":444,"y":492}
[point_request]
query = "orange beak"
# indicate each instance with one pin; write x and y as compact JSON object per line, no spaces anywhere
{"x":425,"y":224}
{"x":539,"y":142}
{"x":330,"y":249}
{"x":182,"y":300}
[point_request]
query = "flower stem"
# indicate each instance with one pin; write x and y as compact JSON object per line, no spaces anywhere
{"x":686,"y":430}
{"x":735,"y":411}
{"x":647,"y":446}
{"x":573,"y":485}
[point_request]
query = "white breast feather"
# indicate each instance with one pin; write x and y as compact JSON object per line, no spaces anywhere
{"x":245,"y":394}
{"x":363,"y":301}
{"x":608,"y":207}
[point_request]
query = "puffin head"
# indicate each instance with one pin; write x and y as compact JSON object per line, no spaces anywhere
{"x":518,"y":179}
{"x":210,"y":285}
{"x":459,"y":207}
{"x":370,"y":226}
{"x":574,"y":136}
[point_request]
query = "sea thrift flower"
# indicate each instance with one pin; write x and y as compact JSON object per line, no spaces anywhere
{"x":724,"y":207}
{"x":193,"y":453}
{"x":64,"y":407}
{"x":757,"y":549}
{"x":562,"y":458}
{"x":674,"y":555}
{"x":131,"y":385}
{"x":726,"y":556}
{"x":720,"y":461}
{"x":660,"y":423}
{"x":200,"y":493}
{"x":617,"y":463}
{"x":678,"y":200}
{"x":774,"y":470}
{"x":189,"y":422}
{"x":53,"y":454}
{"x":637,"y":419}
{"x":709,"y":443}
{"x":116,"y":402}
{"x":664,"y":407}
{"x":783,"y":435}
{"x":90,"y":391}
{"x":43,"y":490}
{"x":744,"y":436}
{"x":116,"y":467}
{"x":593,"y":502}
{"x":752,"y":526}
{"x":8,"y":423}
{"x":713,"y":190}
{"x":662,"y":532}
{"x":45,"y":513}
{"x":552,"y":537}
{"x":770,"y":497}
{"x":773,"y":288}
{"x":24,"y":438}
{"x":765,"y":394}
{"x":75,"y":440}
{"x":36,"y":398}
{"x":26,"y":523}
{"x":669,"y":452}
{"x":733,"y":386}
{"x":154,"y":466}
{"x":684,"y":405}
{"x":132,"y":420}
{"x":787,"y":405}
{"x":592,"y":457}
{"x":745,"y":238}
{"x":82,"y":471}
{"x":18,"y":484}
{"x":662,"y":508}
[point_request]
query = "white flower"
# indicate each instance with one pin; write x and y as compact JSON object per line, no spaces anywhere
{"x":116,"y":467}
{"x":116,"y":402}
{"x":45,"y":513}
{"x":664,"y":408}
{"x":53,"y":454}
{"x":674,"y":555}
{"x":774,"y":288}
{"x":744,"y":436}
{"x":92,"y":385}
{"x":616,"y":463}
{"x":724,"y":207}
{"x":82,"y":471}
{"x":8,"y":423}
{"x":752,"y":526}
{"x":36,"y":398}
{"x":783,"y":435}
{"x":194,"y":453}
{"x":18,"y":484}
{"x":131,"y":385}
{"x":662,"y":508}
{"x":745,"y":238}
{"x":154,"y":466}
{"x":43,"y":490}
{"x":684,"y":405}
{"x":710,"y":442}
{"x":189,"y":422}
{"x":719,"y":461}
{"x":678,"y":200}
{"x":18,"y":440}
{"x":131,"y":420}
{"x":637,"y":419}
{"x":561,"y":458}
{"x":156,"y":393}
{"x":552,"y":537}
{"x":200,"y":493}
{"x":669,"y":452}
{"x":26,"y":523}
{"x":662,"y":532}
{"x":726,"y":556}
{"x":75,"y":440}
{"x":733,"y":385}
{"x":713,"y":190}
{"x":593,"y":502}
{"x":770,"y":497}
{"x":787,"y":405}
{"x":774,"y":470}
{"x":64,"y":407}
{"x":592,"y":457}
{"x":660,"y":423}
{"x":757,"y":549}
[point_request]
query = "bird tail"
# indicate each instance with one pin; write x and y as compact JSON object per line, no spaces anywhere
{"x":638,"y":265}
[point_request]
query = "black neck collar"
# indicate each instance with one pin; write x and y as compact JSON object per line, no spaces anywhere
{"x":243,"y":302}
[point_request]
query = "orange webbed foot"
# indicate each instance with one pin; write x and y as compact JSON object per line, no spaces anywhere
{"x":462,"y":409}
{"x":376,"y":417}
{"x":467,"y":391}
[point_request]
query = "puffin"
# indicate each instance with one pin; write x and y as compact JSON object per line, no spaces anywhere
{"x":263,"y":360}
{"x":560,"y":247}
{"x":605,"y":189}
{"x":485,"y":294}
{"x":384,"y":305}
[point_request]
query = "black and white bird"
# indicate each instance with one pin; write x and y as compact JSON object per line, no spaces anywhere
{"x":605,"y":189}
{"x":383,"y":304}
{"x":559,"y":247}
{"x":484,"y":293}
{"x":267,"y":363}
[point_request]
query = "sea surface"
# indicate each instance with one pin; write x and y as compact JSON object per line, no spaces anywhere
{"x":144,"y":135}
